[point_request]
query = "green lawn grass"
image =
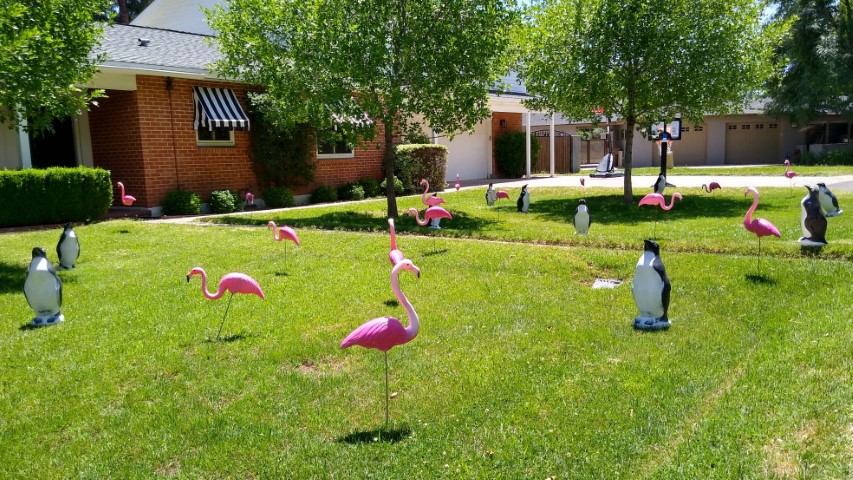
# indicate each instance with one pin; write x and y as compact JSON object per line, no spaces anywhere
{"x":521,"y":370}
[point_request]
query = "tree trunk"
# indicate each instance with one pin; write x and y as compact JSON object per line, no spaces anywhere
{"x":388,"y":161}
{"x":629,"y":150}
{"x":123,"y":13}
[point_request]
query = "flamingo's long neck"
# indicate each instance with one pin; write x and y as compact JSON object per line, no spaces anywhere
{"x":418,"y":217}
{"x":275,"y":233}
{"x":424,"y":196}
{"x":671,"y":203}
{"x":212,"y":296}
{"x":121,"y":186}
{"x":393,"y":236}
{"x":706,"y":188}
{"x":414,"y":325}
{"x":747,"y":219}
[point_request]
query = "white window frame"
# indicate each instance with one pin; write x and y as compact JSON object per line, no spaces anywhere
{"x":323,"y":156}
{"x":215,"y":143}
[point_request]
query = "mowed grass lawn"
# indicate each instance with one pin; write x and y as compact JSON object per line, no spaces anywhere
{"x":521,"y":370}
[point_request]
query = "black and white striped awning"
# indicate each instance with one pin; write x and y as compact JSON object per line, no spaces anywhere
{"x":218,"y":108}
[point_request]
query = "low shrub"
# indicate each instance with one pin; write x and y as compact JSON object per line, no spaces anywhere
{"x":370,"y":186}
{"x":351,"y":191}
{"x":511,"y":153}
{"x":398,"y":187}
{"x":832,"y":157}
{"x":414,"y":162}
{"x":181,"y":202}
{"x":53,"y":195}
{"x":278,"y":197}
{"x":224,"y":201}
{"x":324,"y":194}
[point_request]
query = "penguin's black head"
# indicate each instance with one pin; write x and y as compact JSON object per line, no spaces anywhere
{"x":821,"y":185}
{"x":651,"y":246}
{"x":39,"y":252}
{"x":69,"y":225}
{"x":490,"y":186}
{"x":524,"y":188}
{"x":582,"y":201}
{"x":812,"y":190}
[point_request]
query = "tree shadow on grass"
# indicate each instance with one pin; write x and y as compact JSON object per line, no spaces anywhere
{"x":230,"y":338}
{"x":12,"y":278}
{"x":610,"y":209}
{"x":760,"y":278}
{"x":394,"y":435}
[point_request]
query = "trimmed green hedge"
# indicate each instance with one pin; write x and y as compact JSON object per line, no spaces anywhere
{"x":832,"y":157}
{"x":413,"y":162}
{"x":53,"y":195}
{"x":511,"y":153}
{"x":278,"y":197}
{"x":181,"y":202}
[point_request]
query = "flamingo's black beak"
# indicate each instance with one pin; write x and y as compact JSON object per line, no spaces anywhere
{"x":188,"y":279}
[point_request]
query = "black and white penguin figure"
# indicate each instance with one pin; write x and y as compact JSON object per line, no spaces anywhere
{"x":813,"y":220}
{"x":491,"y":195}
{"x":581,"y":220}
{"x":68,"y":248}
{"x":661,"y":184}
{"x":43,"y":290}
{"x":523,"y":202}
{"x":651,"y":289}
{"x":828,"y":201}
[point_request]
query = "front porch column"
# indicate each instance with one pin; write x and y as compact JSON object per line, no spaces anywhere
{"x":24,"y":157}
{"x":552,"y":144}
{"x":528,"y":144}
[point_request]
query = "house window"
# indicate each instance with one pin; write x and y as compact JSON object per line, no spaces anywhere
{"x":732,"y":127}
{"x":744,"y":127}
{"x":685,"y":129}
{"x":698,"y":128}
{"x":218,"y":137}
{"x":772,"y":125}
{"x":759,"y":126}
{"x":335,"y":149}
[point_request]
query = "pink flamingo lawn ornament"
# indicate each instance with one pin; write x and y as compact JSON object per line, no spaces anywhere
{"x":457,"y":183}
{"x":127,"y":200}
{"x":789,"y":174}
{"x":711,"y":187}
{"x":250,"y":199}
{"x":283,"y":233}
{"x":384,"y":333}
{"x":501,"y":194}
{"x":583,"y":182}
{"x":394,"y":255}
{"x":432,"y":213}
{"x":759,"y":226}
{"x":430,"y":201}
{"x":659,"y":200}
{"x":234,"y":282}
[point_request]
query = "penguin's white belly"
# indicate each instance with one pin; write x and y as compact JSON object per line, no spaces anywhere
{"x":582,"y":221}
{"x":69,"y":250}
{"x":806,"y":232}
{"x":647,"y":289}
{"x":42,"y":291}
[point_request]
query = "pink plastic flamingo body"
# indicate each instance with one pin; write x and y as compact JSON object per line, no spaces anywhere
{"x":283,"y":233}
{"x":790,"y":174}
{"x":430,"y":214}
{"x":125,"y":199}
{"x":659,"y":200}
{"x":501,"y":194}
{"x":384,"y":333}
{"x":394,"y":255}
{"x":234,"y":282}
{"x":759,"y":226}
{"x":250,"y":198}
{"x":431,"y":200}
{"x":711,"y":187}
{"x":457,"y":182}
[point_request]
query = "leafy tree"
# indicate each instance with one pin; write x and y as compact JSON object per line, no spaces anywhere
{"x":335,"y":63}
{"x":816,"y":60}
{"x":644,"y":60}
{"x":45,"y":49}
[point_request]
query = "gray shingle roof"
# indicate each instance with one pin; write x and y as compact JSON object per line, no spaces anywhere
{"x":167,"y":49}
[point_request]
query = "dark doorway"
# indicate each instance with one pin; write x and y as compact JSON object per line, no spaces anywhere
{"x":54,"y":147}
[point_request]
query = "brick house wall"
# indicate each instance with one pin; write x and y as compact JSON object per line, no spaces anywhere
{"x":146,"y":139}
{"x":512,"y":123}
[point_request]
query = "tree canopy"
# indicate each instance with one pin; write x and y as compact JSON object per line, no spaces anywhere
{"x":644,"y":61}
{"x":816,"y":60}
{"x":45,"y":54}
{"x":332,"y":63}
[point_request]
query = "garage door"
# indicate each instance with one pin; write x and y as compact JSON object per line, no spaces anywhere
{"x":470,"y":154}
{"x":690,"y":150}
{"x":752,"y":143}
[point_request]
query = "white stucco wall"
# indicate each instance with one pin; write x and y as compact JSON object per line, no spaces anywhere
{"x":9,"y":154}
{"x":469,"y":154}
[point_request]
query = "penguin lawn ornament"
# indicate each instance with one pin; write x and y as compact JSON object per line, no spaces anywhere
{"x":581,"y":219}
{"x":43,"y":290}
{"x":813,"y":220}
{"x":651,"y":290}
{"x":828,"y":201}
{"x":491,"y":196}
{"x":68,"y":248}
{"x":523,"y":200}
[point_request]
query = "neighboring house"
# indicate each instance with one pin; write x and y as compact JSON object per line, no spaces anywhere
{"x":749,"y":138}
